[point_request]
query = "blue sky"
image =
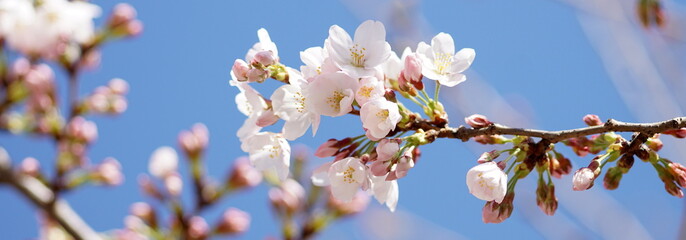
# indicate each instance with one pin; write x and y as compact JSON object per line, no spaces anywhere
{"x":534,"y":53}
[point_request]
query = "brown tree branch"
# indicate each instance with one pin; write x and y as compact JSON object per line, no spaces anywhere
{"x":44,"y":198}
{"x":611,"y":125}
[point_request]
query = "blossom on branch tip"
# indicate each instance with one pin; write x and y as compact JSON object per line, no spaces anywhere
{"x":290,"y":196}
{"x":487,"y":182}
{"x":243,"y":174}
{"x":265,"y":44}
{"x":346,"y":177}
{"x":583,"y":179}
{"x":384,"y":191}
{"x":592,"y":120}
{"x":332,"y":94}
{"x":477,"y":121}
{"x":163,"y":162}
{"x":109,"y":172}
{"x":441,"y":63}
{"x":317,"y":61}
{"x":290,"y":104}
{"x":370,"y":88}
{"x":379,"y":117}
{"x":359,"y":56}
{"x":233,"y":221}
{"x":269,"y":152}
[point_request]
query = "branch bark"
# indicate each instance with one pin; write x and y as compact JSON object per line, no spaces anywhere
{"x":44,"y":198}
{"x":464,"y":133}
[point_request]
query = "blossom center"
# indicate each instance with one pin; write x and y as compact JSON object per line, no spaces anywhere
{"x":382,"y":115}
{"x":335,"y":99}
{"x":366,"y":91}
{"x":300,"y":99}
{"x":357,"y":55}
{"x":442,"y":61}
{"x":273,"y":150}
{"x":348,"y":175}
{"x":483,"y":183}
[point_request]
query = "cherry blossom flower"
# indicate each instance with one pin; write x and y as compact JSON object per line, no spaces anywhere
{"x":164,"y":161}
{"x":360,"y":56}
{"x":487,"y":182}
{"x":387,"y":149}
{"x":40,"y":31}
{"x":234,"y":221}
{"x":385,"y":191}
{"x":269,"y":152}
{"x":265,"y":44}
{"x":290,"y":104}
{"x":394,"y":65}
{"x":317,"y":61}
{"x":583,"y":179}
{"x":379,"y":117}
{"x":346,"y":177}
{"x":332,"y":94}
{"x":250,"y":103}
{"x":320,"y":176}
{"x":441,"y":63}
{"x":370,"y":88}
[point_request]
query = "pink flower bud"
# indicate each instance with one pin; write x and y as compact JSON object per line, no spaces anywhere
{"x":289,"y":196}
{"x":109,"y":172}
{"x":413,"y":69}
{"x":195,"y":141}
{"x":30,"y":166}
{"x":678,"y":171}
{"x":118,"y":86}
{"x":257,"y":75}
{"x":243,"y":174}
{"x":654,"y":144}
{"x":198,"y":228}
{"x":119,"y":105}
{"x":240,"y":70}
{"x":405,"y":163}
{"x":143,"y":211}
{"x":559,"y":165}
{"x":234,"y":221}
{"x":678,"y":133}
{"x":21,"y":67}
{"x":388,"y":148}
{"x":331,"y":147}
{"x":134,"y":28}
{"x":267,"y":118}
{"x":477,"y":121}
{"x":91,"y":60}
{"x":173,"y":184}
{"x":266,"y":58}
{"x":380,"y":168}
{"x":83,"y":130}
{"x":488,"y":156}
{"x":487,"y":182}
{"x":163,"y":162}
{"x":122,"y":13}
{"x":583,"y":179}
{"x":40,"y":78}
{"x":592,"y":120}
{"x":491,"y":213}
{"x":358,"y":204}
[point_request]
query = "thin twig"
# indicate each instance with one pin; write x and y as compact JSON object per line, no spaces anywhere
{"x":44,"y":198}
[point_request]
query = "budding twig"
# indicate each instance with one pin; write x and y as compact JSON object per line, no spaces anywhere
{"x":44,"y":198}
{"x":611,"y":125}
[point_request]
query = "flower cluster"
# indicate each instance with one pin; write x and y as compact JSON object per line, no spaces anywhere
{"x":165,"y":185}
{"x":360,"y":76}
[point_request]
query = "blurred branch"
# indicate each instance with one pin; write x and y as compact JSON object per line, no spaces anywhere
{"x":44,"y":198}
